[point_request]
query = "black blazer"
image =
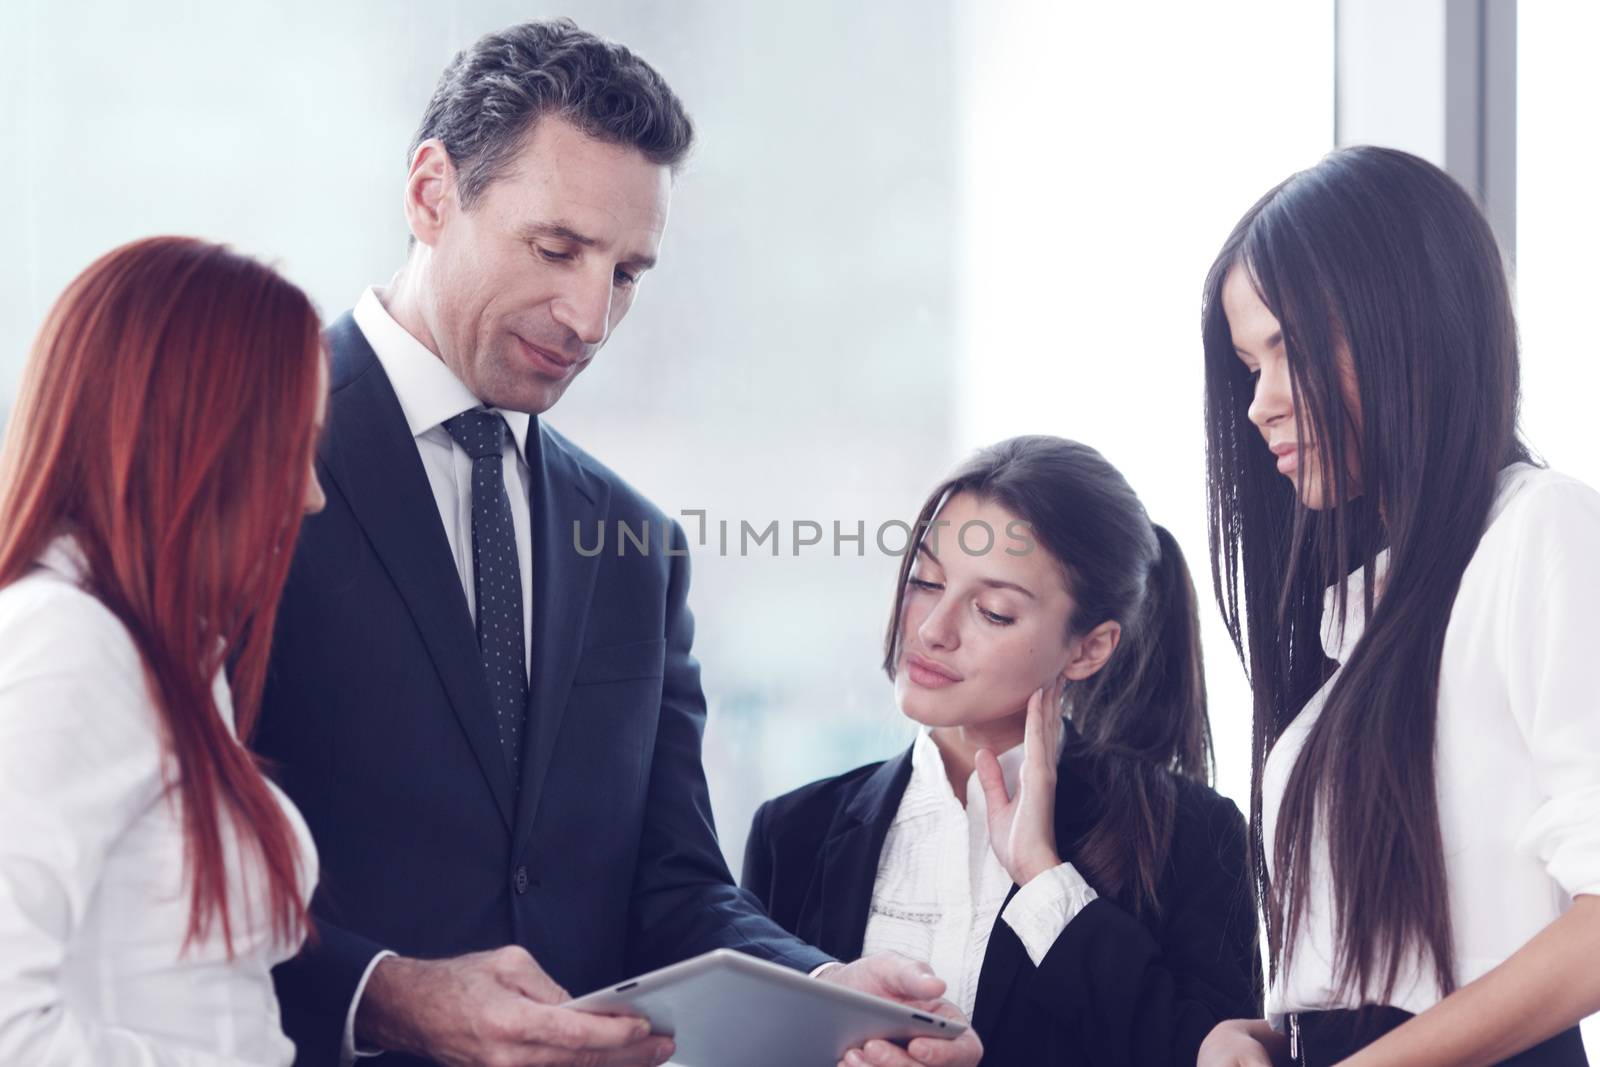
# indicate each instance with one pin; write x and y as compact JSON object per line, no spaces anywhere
{"x":1113,"y":989}
{"x":377,"y":722}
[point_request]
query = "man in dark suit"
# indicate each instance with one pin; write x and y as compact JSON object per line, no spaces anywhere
{"x":494,"y":735}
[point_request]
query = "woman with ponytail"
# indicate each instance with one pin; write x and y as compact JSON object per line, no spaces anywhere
{"x":1415,"y":603}
{"x":152,"y":481}
{"x":1048,"y":844}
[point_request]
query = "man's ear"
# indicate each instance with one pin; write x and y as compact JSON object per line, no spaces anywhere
{"x":1088,"y":653}
{"x":430,"y":195}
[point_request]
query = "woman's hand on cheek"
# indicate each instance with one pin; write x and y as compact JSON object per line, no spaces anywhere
{"x":1022,"y":830}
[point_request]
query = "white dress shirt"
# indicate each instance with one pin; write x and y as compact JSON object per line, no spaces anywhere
{"x":429,"y":393}
{"x":94,"y":893}
{"x":939,"y":885}
{"x":1517,"y":760}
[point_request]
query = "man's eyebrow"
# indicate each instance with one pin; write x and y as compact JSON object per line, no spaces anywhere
{"x":639,"y":264}
{"x":557,"y":231}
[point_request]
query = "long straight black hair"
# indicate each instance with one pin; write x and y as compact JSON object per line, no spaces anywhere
{"x":1376,"y":262}
{"x":1142,"y":716}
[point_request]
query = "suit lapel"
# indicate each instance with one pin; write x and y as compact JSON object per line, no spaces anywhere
{"x":563,"y":497}
{"x":1002,"y":963}
{"x":1006,"y":957}
{"x":834,"y":915}
{"x":369,"y":453}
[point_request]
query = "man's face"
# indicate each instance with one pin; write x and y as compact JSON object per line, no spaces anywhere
{"x":521,"y":289}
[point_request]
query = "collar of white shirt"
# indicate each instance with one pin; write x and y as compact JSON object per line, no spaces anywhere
{"x":429,"y":392}
{"x":1338,"y":642}
{"x":928,"y":772}
{"x":65,"y":557}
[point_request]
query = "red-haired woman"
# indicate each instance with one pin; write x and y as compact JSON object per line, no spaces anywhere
{"x":152,"y":482}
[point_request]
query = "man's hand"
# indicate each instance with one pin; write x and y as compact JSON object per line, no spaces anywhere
{"x":895,"y":977}
{"x":494,"y":1009}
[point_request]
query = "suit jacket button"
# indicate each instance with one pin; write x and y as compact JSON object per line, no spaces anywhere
{"x":520,"y":880}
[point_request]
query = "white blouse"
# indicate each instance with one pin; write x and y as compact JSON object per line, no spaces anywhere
{"x":1518,"y":745}
{"x":939,"y":885}
{"x":94,"y":896}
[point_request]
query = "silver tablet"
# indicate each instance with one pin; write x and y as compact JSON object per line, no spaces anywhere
{"x":726,"y":1009}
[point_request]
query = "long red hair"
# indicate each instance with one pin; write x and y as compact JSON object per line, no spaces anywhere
{"x":167,"y":420}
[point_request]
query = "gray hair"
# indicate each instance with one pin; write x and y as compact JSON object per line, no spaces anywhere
{"x":491,"y":95}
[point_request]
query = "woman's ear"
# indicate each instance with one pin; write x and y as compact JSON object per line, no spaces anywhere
{"x":1088,"y":653}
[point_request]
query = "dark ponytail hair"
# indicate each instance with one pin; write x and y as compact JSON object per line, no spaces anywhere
{"x":1378,"y":262}
{"x":1142,"y":717}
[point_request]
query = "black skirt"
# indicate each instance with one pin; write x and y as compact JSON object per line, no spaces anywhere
{"x":1326,"y":1037}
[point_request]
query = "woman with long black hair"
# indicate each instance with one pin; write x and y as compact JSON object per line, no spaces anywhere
{"x":1081,"y":891}
{"x":1414,"y":599}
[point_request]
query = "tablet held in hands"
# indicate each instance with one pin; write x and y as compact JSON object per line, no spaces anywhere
{"x":726,"y":1009}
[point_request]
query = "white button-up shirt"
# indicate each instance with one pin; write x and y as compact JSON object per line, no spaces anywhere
{"x":94,"y":891}
{"x":429,"y":393}
{"x":939,"y":886}
{"x":1517,"y":762}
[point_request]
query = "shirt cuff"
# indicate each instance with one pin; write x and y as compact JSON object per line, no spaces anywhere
{"x":825,"y":968}
{"x":348,"y":1053}
{"x":1042,"y":909}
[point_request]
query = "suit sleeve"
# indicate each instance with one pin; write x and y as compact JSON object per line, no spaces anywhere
{"x":684,"y":901}
{"x":317,"y":989}
{"x":1136,"y":998}
{"x":757,"y":877}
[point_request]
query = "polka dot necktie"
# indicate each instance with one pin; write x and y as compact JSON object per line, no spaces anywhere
{"x":497,"y":577}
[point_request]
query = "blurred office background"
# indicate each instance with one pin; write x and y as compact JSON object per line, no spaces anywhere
{"x":911,"y":227}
